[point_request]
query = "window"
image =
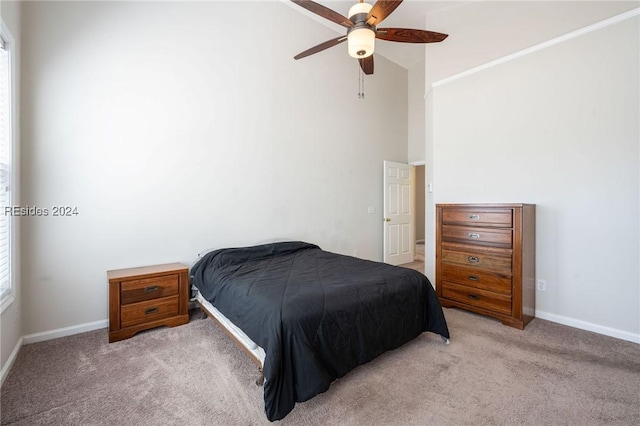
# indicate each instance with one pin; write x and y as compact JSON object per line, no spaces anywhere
{"x":6,"y":138}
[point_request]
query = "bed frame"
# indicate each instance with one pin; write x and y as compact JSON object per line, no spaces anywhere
{"x":206,"y":312}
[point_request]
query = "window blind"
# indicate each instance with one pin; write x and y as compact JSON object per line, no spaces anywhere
{"x":5,"y":169}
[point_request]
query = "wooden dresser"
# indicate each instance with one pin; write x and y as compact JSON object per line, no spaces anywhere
{"x":147,"y":297}
{"x":485,"y":259}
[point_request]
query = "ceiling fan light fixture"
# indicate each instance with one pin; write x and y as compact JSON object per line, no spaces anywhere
{"x":361,"y":37}
{"x":361,"y":42}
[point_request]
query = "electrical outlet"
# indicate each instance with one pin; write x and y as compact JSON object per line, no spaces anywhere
{"x":355,"y":253}
{"x":542,"y":285}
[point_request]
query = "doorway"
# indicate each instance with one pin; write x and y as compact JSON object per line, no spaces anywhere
{"x":419,"y":204}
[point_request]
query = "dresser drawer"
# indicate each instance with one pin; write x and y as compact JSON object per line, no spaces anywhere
{"x":141,"y":312}
{"x":480,"y":236}
{"x":478,"y":259}
{"x":478,"y":217}
{"x":477,"y":278}
{"x":475,"y":297}
{"x":149,"y":288}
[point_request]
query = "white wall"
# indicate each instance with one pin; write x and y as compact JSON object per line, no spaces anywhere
{"x":558,"y":128}
{"x":11,"y":321}
{"x":175,"y":127}
{"x":420,"y":203}
{"x":484,"y":31}
{"x":417,"y":114}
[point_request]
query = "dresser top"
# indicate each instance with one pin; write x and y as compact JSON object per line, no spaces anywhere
{"x":508,"y":205}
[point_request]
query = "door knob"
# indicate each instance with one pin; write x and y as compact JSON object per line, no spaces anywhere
{"x":386,"y":219}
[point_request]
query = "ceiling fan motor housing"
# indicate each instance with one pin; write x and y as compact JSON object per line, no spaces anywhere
{"x":359,"y":9}
{"x":361,"y":36}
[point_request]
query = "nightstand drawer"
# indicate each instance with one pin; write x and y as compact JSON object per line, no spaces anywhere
{"x":492,"y":237}
{"x":478,"y":217}
{"x":475,"y":297}
{"x":148,"y":288}
{"x":141,"y":312}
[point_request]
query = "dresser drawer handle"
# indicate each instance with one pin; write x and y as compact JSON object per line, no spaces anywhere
{"x":473,"y":297}
{"x":474,"y":236}
{"x":151,"y":310}
{"x":474,"y":278}
{"x":151,"y":288}
{"x":473,"y":259}
{"x":474,"y":217}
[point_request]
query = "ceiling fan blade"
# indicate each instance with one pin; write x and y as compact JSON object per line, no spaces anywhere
{"x":322,"y":46}
{"x":325,"y":12}
{"x":408,"y":35}
{"x":367,"y":65}
{"x":381,"y":10}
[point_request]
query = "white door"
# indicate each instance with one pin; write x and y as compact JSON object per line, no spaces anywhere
{"x":398,"y":213}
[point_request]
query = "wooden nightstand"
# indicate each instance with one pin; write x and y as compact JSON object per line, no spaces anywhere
{"x":147,"y":297}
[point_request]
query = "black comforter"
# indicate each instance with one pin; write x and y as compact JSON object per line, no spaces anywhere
{"x":316,"y":314}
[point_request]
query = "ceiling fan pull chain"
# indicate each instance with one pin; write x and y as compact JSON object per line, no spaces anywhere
{"x":360,"y":84}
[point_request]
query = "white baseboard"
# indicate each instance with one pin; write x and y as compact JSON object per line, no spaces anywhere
{"x":65,"y":331}
{"x":12,"y":358}
{"x":583,"y":325}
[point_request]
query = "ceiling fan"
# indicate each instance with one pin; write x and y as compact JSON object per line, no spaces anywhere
{"x":362,"y":30}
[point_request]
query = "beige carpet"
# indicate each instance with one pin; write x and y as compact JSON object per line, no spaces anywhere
{"x":418,"y":259}
{"x":418,"y":265}
{"x":490,"y":374}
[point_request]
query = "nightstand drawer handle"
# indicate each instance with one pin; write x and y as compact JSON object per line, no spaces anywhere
{"x":474,"y":236}
{"x":474,"y":217}
{"x":474,"y":297}
{"x":150,"y":310}
{"x":474,"y":278}
{"x":473,"y":259}
{"x":151,"y":288}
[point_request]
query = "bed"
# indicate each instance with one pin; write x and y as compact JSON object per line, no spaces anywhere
{"x":309,"y":316}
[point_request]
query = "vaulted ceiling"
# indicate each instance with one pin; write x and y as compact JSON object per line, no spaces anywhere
{"x":483,"y":29}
